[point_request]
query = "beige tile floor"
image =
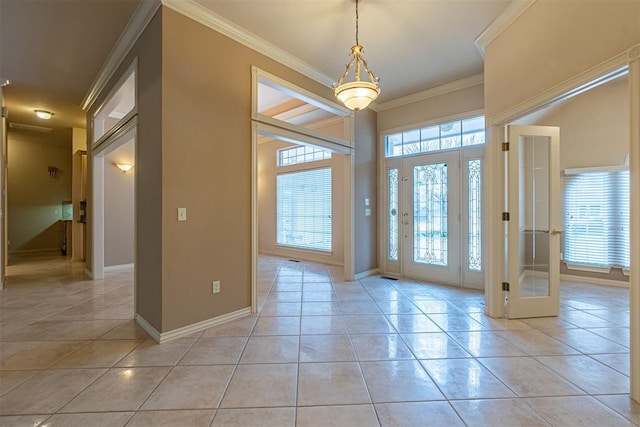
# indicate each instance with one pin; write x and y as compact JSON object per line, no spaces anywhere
{"x":321,"y":352}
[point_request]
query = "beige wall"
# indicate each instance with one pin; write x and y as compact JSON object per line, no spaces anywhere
{"x":594,"y":126}
{"x":366,"y":186}
{"x":207,"y":168}
{"x":118,"y":216}
{"x":449,"y":104}
{"x":34,"y":198}
{"x":267,"y":175}
{"x":552,"y":42}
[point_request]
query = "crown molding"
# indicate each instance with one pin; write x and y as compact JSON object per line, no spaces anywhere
{"x":139,"y":20}
{"x":433,"y":92}
{"x":501,"y":23}
{"x":204,"y":16}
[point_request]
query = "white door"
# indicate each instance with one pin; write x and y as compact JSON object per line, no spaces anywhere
{"x":534,"y":221}
{"x":430,"y":217}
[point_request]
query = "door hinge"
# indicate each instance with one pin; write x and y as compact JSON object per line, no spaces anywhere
{"x":505,"y":286}
{"x":505,"y":146}
{"x":505,"y":216}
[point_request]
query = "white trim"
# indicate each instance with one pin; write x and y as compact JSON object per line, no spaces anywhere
{"x":34,"y":251}
{"x":464,"y":83}
{"x":633,"y":57}
{"x":576,"y":171}
{"x":263,"y":77}
{"x":118,"y":267}
{"x":206,"y":17}
{"x":153,"y":333}
{"x":593,"y":280}
{"x":372,"y":272}
{"x":501,"y":23}
{"x":132,"y":70}
{"x":299,"y":255}
{"x":163,"y":337}
{"x":580,"y":83}
{"x":136,"y":25}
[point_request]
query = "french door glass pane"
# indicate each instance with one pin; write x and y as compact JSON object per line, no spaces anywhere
{"x":393,"y":215}
{"x":474,"y":174}
{"x":430,"y":214}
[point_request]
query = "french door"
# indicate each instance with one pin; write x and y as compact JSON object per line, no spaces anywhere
{"x":533,"y":249}
{"x":434,"y":217}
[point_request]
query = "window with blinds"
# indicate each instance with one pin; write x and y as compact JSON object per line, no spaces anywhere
{"x":597,"y":219}
{"x":304,"y":209}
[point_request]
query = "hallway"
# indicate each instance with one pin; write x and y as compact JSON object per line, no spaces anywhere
{"x":321,"y":352}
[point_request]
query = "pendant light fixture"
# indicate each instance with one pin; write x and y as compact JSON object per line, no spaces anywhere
{"x":357,"y":95}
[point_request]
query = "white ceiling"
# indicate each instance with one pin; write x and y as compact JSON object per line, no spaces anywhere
{"x":53,"y":49}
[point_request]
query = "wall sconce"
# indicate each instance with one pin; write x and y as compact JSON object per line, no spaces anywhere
{"x":53,"y":171}
{"x":42,"y":114}
{"x":124,"y":167}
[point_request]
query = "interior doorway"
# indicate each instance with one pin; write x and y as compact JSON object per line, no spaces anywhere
{"x":580,"y":230}
{"x":310,"y":129}
{"x":113,"y":202}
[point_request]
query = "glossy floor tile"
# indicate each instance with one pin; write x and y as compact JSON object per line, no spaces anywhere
{"x":322,"y":351}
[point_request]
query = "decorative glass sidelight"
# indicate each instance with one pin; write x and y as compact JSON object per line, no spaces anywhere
{"x":474,"y":176}
{"x":430,"y":236}
{"x":393,"y":215}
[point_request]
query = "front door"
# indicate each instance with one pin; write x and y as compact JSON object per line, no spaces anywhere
{"x":430,"y":217}
{"x":534,"y":221}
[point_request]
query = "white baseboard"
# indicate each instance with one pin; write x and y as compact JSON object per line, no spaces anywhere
{"x":367,"y":273}
{"x":300,"y":255}
{"x":594,"y":280}
{"x":162,"y":337}
{"x":35,"y":251}
{"x":118,"y":267}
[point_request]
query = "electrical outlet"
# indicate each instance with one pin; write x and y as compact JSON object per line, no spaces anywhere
{"x":215,"y":287}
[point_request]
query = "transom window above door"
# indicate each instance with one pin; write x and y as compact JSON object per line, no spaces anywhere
{"x":430,"y":139}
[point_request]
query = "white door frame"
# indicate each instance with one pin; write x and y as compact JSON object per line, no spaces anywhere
{"x":98,"y":154}
{"x":494,"y":188}
{"x":264,"y":125}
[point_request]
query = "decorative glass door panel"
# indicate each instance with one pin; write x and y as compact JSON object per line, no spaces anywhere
{"x":430,"y":217}
{"x":430,"y":244}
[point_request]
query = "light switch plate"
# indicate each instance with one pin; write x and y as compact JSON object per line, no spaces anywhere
{"x":182,"y":214}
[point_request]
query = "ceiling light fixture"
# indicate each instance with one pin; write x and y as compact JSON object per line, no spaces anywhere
{"x":124,"y":167}
{"x":357,"y":95}
{"x":43,"y":114}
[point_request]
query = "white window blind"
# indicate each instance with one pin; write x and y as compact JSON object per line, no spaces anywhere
{"x":304,"y":209}
{"x":597,"y":219}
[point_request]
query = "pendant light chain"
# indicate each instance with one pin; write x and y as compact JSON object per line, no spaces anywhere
{"x":357,"y":23}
